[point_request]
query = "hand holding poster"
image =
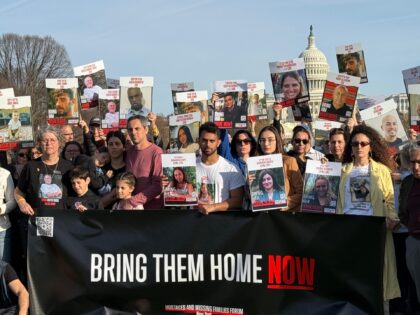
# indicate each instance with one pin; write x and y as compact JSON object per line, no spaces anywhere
{"x":290,"y":84}
{"x":180,"y":169}
{"x":63,"y":101}
{"x":321,"y":186}
{"x":180,"y":87}
{"x":17,"y":127}
{"x":351,"y":60}
{"x":230,"y":104}
{"x":135,"y":97}
{"x":257,"y":106}
{"x":339,"y":96}
{"x":266,"y":175}
{"x":109,"y":108}
{"x":414,"y":100}
{"x":384,"y":119}
{"x":183,"y":133}
{"x":191,"y":102}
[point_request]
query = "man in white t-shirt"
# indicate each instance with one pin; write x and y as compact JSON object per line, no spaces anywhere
{"x":223,"y":180}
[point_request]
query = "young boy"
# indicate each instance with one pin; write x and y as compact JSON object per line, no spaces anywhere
{"x":86,"y":199}
{"x":14,"y":126}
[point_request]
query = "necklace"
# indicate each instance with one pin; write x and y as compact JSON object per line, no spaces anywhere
{"x":47,"y":168}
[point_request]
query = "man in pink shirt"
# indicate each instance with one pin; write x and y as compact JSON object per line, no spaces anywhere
{"x":144,"y":160}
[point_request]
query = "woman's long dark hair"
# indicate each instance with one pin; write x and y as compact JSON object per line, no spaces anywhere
{"x":235,"y":139}
{"x":187,"y":133}
{"x":379,"y":148}
{"x":276,"y":185}
{"x":174,"y":182}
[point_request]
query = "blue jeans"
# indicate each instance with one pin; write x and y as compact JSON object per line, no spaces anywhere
{"x":5,"y":245}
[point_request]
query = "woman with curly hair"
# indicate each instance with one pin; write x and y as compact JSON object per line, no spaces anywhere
{"x":368,"y":164}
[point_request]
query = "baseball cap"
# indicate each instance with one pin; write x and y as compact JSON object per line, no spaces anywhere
{"x":95,"y":121}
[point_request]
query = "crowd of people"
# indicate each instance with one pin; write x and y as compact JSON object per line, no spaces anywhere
{"x":123,"y":171}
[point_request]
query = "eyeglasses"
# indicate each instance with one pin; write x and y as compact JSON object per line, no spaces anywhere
{"x":362,"y":143}
{"x":304,"y":141}
{"x":49,"y":141}
{"x":68,"y":134}
{"x":269,"y":141}
{"x":245,"y":141}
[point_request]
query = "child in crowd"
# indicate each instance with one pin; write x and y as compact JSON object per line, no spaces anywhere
{"x":86,"y":199}
{"x":14,"y":127}
{"x":126,"y":183}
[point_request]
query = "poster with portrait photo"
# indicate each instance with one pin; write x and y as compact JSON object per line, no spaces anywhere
{"x":91,"y":78}
{"x":290,"y":83}
{"x":411,"y":76}
{"x":384,"y":119}
{"x":322,"y":130}
{"x":369,"y":101}
{"x":109,"y":108}
{"x":414,"y":101}
{"x":257,"y":105}
{"x":301,"y":112}
{"x":16,"y":123}
{"x":135,"y":97}
{"x":321,"y":184}
{"x":230,"y":104}
{"x":351,"y":60}
{"x":339,"y":97}
{"x":50,"y":188}
{"x":267,"y":186}
{"x":8,"y":92}
{"x":62,"y":101}
{"x":193,"y":101}
{"x":113,"y":83}
{"x":178,"y":88}
{"x":183,"y":133}
{"x":180,"y":169}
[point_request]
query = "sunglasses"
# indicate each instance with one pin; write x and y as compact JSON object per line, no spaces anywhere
{"x":362,"y":143}
{"x":22,"y":155}
{"x":304,"y":141}
{"x":246,"y":141}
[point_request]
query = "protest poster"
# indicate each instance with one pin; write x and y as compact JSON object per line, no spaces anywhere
{"x":177,"y":88}
{"x":180,"y":169}
{"x":178,"y":262}
{"x":411,"y":76}
{"x":92,"y":80}
{"x":230,"y":104}
{"x":339,"y":97}
{"x":16,"y":123}
{"x":384,"y":119}
{"x":113,"y":83}
{"x":351,"y":60}
{"x":322,"y":130}
{"x":62,"y":101}
{"x":135,"y":97}
{"x":320,"y":192}
{"x":257,"y":105}
{"x":8,"y":92}
{"x":290,"y":83}
{"x":183,"y":133}
{"x":193,"y":101}
{"x":369,"y":101}
{"x":302,"y":112}
{"x":267,"y":187}
{"x":414,"y":101}
{"x":109,"y":108}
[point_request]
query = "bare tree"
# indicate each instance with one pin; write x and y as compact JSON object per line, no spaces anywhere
{"x":25,"y":63}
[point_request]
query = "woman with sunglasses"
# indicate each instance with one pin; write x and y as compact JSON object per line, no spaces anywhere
{"x":302,"y":149}
{"x":269,"y":142}
{"x":366,"y":189}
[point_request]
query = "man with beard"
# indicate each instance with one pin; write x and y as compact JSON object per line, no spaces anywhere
{"x":390,"y":128}
{"x":135,"y":97}
{"x":351,"y":63}
{"x":63,"y":103}
{"x":224,"y":178}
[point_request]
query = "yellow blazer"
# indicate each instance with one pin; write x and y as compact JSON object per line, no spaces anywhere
{"x":382,"y":198}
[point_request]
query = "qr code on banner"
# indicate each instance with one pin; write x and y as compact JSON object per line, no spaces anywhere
{"x":45,"y":226}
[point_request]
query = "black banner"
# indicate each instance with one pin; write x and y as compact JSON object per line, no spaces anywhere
{"x":182,"y":262}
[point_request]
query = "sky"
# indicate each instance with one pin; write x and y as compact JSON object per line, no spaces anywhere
{"x":207,"y":40}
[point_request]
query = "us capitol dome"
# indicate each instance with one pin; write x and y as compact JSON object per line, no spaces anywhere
{"x":317,"y":68}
